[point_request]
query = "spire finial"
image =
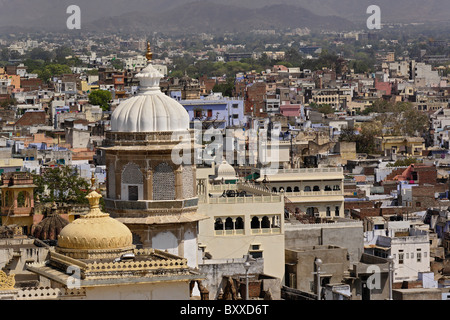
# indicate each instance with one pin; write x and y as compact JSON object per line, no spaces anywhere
{"x":93,"y":181}
{"x":149,"y":54}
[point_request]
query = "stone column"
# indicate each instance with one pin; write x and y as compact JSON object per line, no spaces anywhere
{"x":178,"y":183}
{"x":148,"y":185}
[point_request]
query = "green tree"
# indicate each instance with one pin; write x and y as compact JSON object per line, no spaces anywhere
{"x":61,"y":184}
{"x":100,"y":98}
{"x":400,"y":118}
{"x":227,"y":88}
{"x":325,"y":109}
{"x":47,"y":71}
{"x":403,"y":162}
{"x":41,"y":54}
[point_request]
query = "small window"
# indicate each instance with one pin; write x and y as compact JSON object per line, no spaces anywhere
{"x":254,"y":224}
{"x":265,"y":223}
{"x":229,"y":224}
{"x":256,"y":254}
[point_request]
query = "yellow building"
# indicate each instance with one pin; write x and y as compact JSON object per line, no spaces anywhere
{"x":17,"y":200}
{"x":15,"y":79}
{"x":408,"y":146}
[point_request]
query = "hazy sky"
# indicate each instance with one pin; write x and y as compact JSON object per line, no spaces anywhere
{"x":53,"y":12}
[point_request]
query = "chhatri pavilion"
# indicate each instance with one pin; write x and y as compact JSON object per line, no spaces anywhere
{"x":95,"y":259}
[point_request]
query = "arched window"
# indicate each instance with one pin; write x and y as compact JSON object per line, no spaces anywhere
{"x":336,"y":211}
{"x":336,"y":187}
{"x":218,"y":225}
{"x":229,"y":224}
{"x":307,"y":188}
{"x":132,"y":182}
{"x":296,"y":189}
{"x":274,"y":189}
{"x":239,"y":224}
{"x":254,"y":224}
{"x":265,"y":223}
{"x":328,"y":212}
{"x":132,"y":174}
{"x":316,"y":188}
{"x":22,"y":199}
{"x":288,"y":189}
{"x":327,"y":188}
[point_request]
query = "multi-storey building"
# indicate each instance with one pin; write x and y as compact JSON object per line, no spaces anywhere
{"x":317,"y":192}
{"x":243,"y":220}
{"x":409,"y":248}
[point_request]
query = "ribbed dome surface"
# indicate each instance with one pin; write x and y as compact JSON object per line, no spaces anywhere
{"x":96,"y":230}
{"x":50,"y":227}
{"x":226,"y":171}
{"x":150,"y":110}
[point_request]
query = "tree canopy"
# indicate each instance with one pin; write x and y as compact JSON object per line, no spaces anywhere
{"x":100,"y":98}
{"x":61,"y":184}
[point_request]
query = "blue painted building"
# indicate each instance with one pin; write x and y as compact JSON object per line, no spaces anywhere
{"x":216,"y":110}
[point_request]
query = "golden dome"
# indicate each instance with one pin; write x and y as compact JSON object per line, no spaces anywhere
{"x":95,"y":234}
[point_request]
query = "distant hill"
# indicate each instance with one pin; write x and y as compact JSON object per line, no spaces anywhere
{"x":216,"y":14}
{"x":205,"y":16}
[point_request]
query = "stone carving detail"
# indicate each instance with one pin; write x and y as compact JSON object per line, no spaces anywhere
{"x":112,"y":181}
{"x":188,"y":183}
{"x":132,"y":174}
{"x":6,"y":282}
{"x":163,"y":182}
{"x":49,"y":293}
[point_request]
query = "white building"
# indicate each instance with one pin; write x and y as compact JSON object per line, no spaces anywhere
{"x":317,"y":192}
{"x":409,"y":247}
{"x":250,"y":224}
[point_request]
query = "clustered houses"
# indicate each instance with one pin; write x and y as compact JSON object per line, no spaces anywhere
{"x":322,"y":199}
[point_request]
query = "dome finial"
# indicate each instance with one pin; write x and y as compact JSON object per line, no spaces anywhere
{"x":93,"y":181}
{"x":94,"y":199}
{"x":149,"y":54}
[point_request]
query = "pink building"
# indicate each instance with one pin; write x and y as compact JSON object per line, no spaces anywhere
{"x":290,"y":110}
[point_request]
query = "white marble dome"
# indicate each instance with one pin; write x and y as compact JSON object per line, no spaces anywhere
{"x":225,"y":171}
{"x":150,"y":110}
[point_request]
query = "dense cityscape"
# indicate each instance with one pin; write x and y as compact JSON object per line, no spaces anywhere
{"x":273,"y":162}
